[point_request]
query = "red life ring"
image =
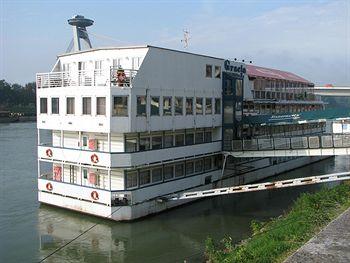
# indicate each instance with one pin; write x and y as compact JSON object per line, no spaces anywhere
{"x":49,"y":186}
{"x":49,"y":153}
{"x":94,"y":158}
{"x":94,"y":195}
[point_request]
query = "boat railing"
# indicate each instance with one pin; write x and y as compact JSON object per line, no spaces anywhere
{"x":115,"y":77}
{"x":290,"y":143}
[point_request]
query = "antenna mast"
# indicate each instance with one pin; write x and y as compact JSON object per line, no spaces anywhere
{"x":186,"y":38}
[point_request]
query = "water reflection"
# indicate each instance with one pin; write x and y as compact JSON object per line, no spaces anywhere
{"x":174,"y":235}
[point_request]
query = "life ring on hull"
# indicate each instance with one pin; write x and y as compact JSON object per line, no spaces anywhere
{"x":94,"y":158}
{"x":49,"y":153}
{"x":49,"y":186}
{"x":94,"y":195}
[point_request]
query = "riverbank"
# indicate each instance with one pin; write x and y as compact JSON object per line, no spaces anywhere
{"x":275,"y":240}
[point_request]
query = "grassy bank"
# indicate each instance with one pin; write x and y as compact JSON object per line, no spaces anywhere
{"x":276,"y":239}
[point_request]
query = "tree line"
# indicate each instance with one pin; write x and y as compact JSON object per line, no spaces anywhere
{"x":17,"y":98}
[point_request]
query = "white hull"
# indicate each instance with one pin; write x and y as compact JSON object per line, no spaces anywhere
{"x":124,"y":213}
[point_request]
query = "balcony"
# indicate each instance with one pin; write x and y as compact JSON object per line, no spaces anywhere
{"x":114,"y":77}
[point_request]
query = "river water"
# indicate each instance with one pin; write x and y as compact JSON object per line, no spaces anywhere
{"x":29,"y":231}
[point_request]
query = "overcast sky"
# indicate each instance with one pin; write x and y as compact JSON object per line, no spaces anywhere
{"x":309,"y":38}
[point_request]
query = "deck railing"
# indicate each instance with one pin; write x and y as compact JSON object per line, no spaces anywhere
{"x":116,"y":77}
{"x":290,"y":143}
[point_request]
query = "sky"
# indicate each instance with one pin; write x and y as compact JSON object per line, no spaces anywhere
{"x":308,"y":37}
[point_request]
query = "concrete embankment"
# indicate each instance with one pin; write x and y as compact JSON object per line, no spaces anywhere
{"x":332,"y":244}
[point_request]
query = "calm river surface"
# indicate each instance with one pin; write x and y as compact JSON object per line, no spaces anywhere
{"x":29,"y":231}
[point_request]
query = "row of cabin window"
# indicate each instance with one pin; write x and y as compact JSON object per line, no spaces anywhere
{"x":139,"y":142}
{"x":141,"y":177}
{"x":174,"y":106}
{"x":209,"y":71}
{"x":70,"y":105}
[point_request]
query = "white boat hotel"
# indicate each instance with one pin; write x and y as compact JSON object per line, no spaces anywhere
{"x":131,"y":125}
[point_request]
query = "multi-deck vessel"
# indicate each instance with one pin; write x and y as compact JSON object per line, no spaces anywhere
{"x":131,"y":125}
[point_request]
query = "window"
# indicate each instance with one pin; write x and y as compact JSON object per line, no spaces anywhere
{"x":199,"y":105}
{"x":70,"y":105}
{"x":131,"y":179}
{"x":189,"y":106}
{"x":217,"y":106}
{"x":217,"y":72}
{"x":101,"y":105}
{"x":98,"y":67}
{"x":154,"y":106}
{"x":157,"y":175}
{"x":208,"y":71}
{"x":207,"y":136}
{"x":179,"y":140}
{"x":87,"y":106}
{"x":179,"y":169}
{"x":168,"y":140}
{"x":131,"y":143}
{"x":189,"y":138}
{"x":239,"y":88}
{"x":178,"y":106}
{"x":189,"y":167}
{"x":156,"y":142}
{"x":145,"y":177}
{"x":199,"y":137}
{"x":55,"y":105}
{"x":168,"y":172}
{"x":144,"y":143}
{"x":120,"y":106}
{"x":85,"y":173}
{"x":207,"y":163}
{"x":228,"y":88}
{"x":141,"y":106}
{"x":198,"y":165}
{"x":208,"y":106}
{"x":85,"y":141}
{"x":167,"y":106}
{"x":43,"y":105}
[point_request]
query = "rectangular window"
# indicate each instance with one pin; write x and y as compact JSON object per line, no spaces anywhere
{"x":131,"y":179}
{"x":189,"y":106}
{"x":208,"y":106}
{"x":101,"y":105}
{"x":154,"y":106}
{"x":144,"y":143}
{"x":168,"y":172}
{"x":131,"y":143}
{"x":98,"y":67}
{"x":217,"y":106}
{"x":199,"y":106}
{"x":198,"y":166}
{"x":141,"y":105}
{"x":87,"y":106}
{"x":120,"y":106}
{"x":55,"y":105}
{"x":189,"y":167}
{"x":189,"y":138}
{"x":168,"y":140}
{"x":156,"y":142}
{"x":207,"y":163}
{"x":167,"y":106}
{"x":85,"y":141}
{"x":207,"y":136}
{"x":217,"y":72}
{"x":157,"y":174}
{"x":70,"y":105}
{"x":85,"y":173}
{"x":178,"y":106}
{"x":239,"y":88}
{"x":145,"y":177}
{"x":43,"y":105}
{"x":179,"y":169}
{"x":208,"y":71}
{"x":199,"y":137}
{"x":179,"y":140}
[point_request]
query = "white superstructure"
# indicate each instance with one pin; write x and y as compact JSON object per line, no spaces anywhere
{"x":133,"y":124}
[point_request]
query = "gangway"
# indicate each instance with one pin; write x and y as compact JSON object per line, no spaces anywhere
{"x":315,"y":145}
{"x":263,"y":186}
